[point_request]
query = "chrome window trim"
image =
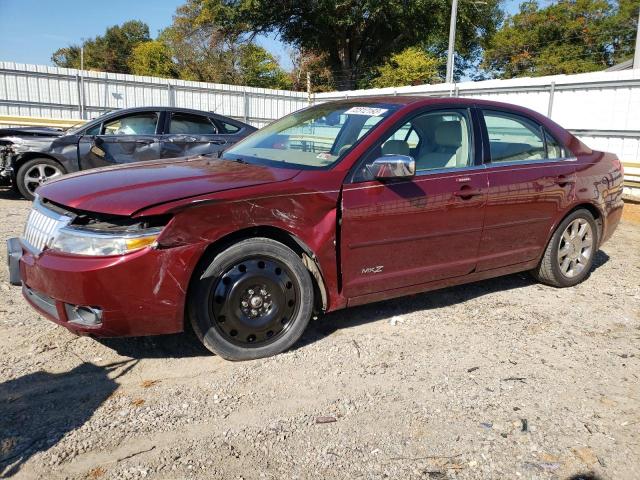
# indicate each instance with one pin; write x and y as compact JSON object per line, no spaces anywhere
{"x":468,"y":168}
{"x":488,"y":165}
{"x":541,"y":161}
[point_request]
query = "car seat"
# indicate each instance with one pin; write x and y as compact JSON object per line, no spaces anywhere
{"x":396,"y":147}
{"x":450,"y":148}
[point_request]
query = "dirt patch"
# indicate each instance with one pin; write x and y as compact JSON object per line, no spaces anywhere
{"x":498,"y":379}
{"x":631,"y":212}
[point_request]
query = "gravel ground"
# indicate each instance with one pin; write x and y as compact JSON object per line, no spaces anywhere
{"x":499,"y":379}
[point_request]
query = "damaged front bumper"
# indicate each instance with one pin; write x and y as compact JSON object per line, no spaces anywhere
{"x":7,"y":154}
{"x":14,"y":253}
{"x":141,"y":293}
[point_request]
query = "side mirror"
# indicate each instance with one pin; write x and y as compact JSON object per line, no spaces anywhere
{"x":390,"y":167}
{"x":97,"y":140}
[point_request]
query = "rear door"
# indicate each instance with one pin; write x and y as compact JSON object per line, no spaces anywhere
{"x":191,"y":134}
{"x":128,"y":138}
{"x":531,"y":181}
{"x":408,"y":232}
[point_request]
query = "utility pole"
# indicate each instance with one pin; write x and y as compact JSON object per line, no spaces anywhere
{"x":452,"y":40}
{"x":636,"y":55}
{"x":82,"y":99}
{"x":309,"y":87}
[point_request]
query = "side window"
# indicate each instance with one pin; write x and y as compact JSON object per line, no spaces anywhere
{"x":554,"y":149}
{"x":95,"y":130}
{"x":513,"y":138}
{"x":435,"y":140}
{"x":183,"y":123}
{"x":229,"y":128}
{"x":137,"y":124}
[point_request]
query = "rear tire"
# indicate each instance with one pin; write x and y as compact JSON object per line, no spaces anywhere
{"x":34,"y":173}
{"x":252,"y":300}
{"x":568,"y":258}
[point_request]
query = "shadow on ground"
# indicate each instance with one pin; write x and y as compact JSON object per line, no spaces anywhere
{"x":423,"y":301}
{"x":8,"y":193}
{"x":181,"y":345}
{"x":38,"y":409}
{"x":187,"y":345}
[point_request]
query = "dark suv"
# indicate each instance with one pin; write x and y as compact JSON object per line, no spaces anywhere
{"x":30,"y":157}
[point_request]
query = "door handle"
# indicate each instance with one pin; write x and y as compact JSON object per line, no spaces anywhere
{"x":145,"y":142}
{"x":563,"y":180}
{"x":185,"y":139}
{"x":467,"y":193}
{"x":218,"y":142}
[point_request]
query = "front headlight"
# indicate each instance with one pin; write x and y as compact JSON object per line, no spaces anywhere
{"x":83,"y":242}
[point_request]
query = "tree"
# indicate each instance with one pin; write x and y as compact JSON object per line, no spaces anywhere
{"x":109,"y":52}
{"x":152,"y":58}
{"x":314,"y":64}
{"x":258,"y":68}
{"x":355,"y":35}
{"x":201,"y":50}
{"x":412,"y":66}
{"x":570,"y":36}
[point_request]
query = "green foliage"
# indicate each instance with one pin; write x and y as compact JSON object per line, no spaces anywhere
{"x":412,"y":66}
{"x":202,"y":50}
{"x":570,"y":36}
{"x":152,"y":58}
{"x":258,"y":68}
{"x":109,"y":52}
{"x":357,"y":36}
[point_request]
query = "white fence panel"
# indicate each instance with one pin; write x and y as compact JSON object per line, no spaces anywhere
{"x":602,"y":108}
{"x":52,"y":92}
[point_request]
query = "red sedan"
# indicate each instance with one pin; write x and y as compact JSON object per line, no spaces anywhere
{"x":340,"y":204}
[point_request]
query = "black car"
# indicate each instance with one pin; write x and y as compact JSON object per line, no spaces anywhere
{"x":31,"y":156}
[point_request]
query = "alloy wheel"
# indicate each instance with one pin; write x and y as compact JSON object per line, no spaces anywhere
{"x":575,"y":248}
{"x":39,"y":174}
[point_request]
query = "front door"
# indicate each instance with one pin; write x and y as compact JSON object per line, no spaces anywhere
{"x":130,"y":138}
{"x":531,"y":182}
{"x":409,"y":232}
{"x":190,"y":134}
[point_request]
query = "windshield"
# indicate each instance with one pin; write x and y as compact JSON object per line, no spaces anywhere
{"x":313,"y":138}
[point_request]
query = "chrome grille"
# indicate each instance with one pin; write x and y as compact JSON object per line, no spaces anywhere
{"x":42,"y":226}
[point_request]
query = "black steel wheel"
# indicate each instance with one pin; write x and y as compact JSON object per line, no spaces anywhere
{"x":252,"y":300}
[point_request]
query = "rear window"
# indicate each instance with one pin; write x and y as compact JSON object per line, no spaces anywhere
{"x":229,"y":128}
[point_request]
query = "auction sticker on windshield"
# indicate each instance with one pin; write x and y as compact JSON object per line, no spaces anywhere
{"x":368,"y":111}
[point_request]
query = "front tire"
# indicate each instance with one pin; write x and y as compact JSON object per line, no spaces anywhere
{"x":252,"y":300}
{"x":34,"y":173}
{"x":568,"y":258}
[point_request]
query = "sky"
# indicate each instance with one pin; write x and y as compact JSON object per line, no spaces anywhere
{"x":31,"y":30}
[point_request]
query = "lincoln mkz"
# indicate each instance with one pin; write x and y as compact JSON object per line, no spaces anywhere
{"x":340,"y":204}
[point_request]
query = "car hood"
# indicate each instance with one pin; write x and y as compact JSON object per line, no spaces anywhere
{"x":30,"y":132}
{"x":124,"y":190}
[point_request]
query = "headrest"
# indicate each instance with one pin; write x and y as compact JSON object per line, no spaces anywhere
{"x":448,"y":134}
{"x":395,"y":147}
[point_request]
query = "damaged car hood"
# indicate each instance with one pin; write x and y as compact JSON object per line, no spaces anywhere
{"x":29,"y":132}
{"x":124,"y":190}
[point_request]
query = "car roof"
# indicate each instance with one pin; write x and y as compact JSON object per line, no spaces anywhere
{"x":153,"y":108}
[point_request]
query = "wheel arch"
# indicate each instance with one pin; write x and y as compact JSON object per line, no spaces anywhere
{"x":25,"y":157}
{"x":279,"y":235}
{"x":598,"y":216}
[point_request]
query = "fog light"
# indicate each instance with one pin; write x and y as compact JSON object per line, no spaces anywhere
{"x":86,"y":316}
